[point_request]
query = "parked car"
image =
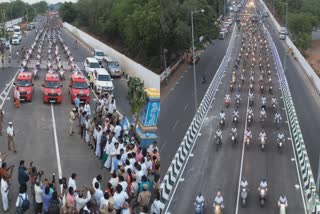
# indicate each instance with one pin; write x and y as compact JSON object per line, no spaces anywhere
{"x":5,"y":42}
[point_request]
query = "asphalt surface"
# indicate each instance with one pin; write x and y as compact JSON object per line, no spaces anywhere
{"x":305,"y":98}
{"x":178,"y":107}
{"x":40,"y":127}
{"x":208,"y":170}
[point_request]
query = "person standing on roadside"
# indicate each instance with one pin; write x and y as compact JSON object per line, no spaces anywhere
{"x":5,"y":193}
{"x":17,"y":97}
{"x":11,"y":134}
{"x":72,"y":117}
{"x":23,"y":175}
{"x":91,"y":79}
{"x":17,"y":54}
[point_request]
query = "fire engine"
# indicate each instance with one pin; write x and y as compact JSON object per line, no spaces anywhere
{"x":52,"y":88}
{"x":79,"y":87}
{"x":24,"y":83}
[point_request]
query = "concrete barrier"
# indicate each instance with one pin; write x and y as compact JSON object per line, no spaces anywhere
{"x":314,"y":78}
{"x":14,"y":21}
{"x":130,"y":67}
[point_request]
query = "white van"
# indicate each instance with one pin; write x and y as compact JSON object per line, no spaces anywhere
{"x":15,"y":40}
{"x":90,"y":64}
{"x":17,"y":30}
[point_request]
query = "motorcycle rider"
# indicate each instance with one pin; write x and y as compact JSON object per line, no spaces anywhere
{"x":283,"y":200}
{"x":222,"y":115}
{"x":199,"y":200}
{"x":219,"y":134}
{"x":236,"y":113}
{"x":263,"y":113}
{"x":248,"y":133}
{"x":233,"y":131}
{"x":274,"y":100}
{"x":250,"y":111}
{"x":244,"y":183}
{"x":218,"y":200}
{"x":263,"y":184}
{"x":238,"y":96}
{"x":277,"y":116}
{"x":280,"y":137}
{"x":251,"y":96}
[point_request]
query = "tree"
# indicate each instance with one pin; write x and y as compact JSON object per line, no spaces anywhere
{"x":136,"y":96}
{"x":68,"y":12}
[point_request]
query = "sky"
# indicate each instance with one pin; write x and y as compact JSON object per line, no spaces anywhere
{"x":49,"y":1}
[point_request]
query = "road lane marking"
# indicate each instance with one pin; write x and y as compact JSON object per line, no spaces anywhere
{"x":175,"y":125}
{"x":185,"y":107}
{"x":56,"y":144}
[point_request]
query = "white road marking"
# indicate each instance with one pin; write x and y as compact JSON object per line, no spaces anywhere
{"x":175,"y":125}
{"x":181,"y":180}
{"x":56,"y":143}
{"x":9,"y":86}
{"x":191,"y":155}
{"x":199,"y":134}
{"x":185,"y":107}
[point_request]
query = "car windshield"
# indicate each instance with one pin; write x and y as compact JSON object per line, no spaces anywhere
{"x":113,"y":64}
{"x":15,"y":37}
{"x":104,"y":77}
{"x":94,"y":65}
{"x":23,"y":83}
{"x":52,"y":84}
{"x":16,"y":30}
{"x":99,"y":53}
{"x":80,"y":85}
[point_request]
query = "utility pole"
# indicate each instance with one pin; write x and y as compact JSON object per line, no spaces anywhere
{"x":286,"y":46}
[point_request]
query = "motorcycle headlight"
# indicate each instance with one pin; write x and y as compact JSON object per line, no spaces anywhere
{"x":28,"y":92}
{"x":74,"y":94}
{"x":88,"y":94}
{"x":45,"y":93}
{"x":59,"y":94}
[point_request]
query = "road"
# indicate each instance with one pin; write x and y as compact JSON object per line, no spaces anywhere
{"x":42,"y":128}
{"x":305,"y":98}
{"x":208,"y":171}
{"x":177,"y":107}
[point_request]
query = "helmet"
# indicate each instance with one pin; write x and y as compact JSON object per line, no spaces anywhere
{"x":243,"y":180}
{"x":221,"y":111}
{"x":199,"y":194}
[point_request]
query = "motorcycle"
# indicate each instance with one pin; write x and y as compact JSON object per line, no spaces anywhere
{"x":251,"y":101}
{"x":263,"y":142}
{"x":218,"y":143}
{"x":251,"y":87}
{"x":233,"y":138}
{"x":282,"y":208}
{"x":270,"y":89}
{"x":217,"y":209}
{"x":199,"y":207}
{"x":274,"y":107}
{"x":222,"y":120}
{"x":227,"y":102}
{"x":261,"y":89}
{"x":235,"y":120}
{"x":35,"y":73}
{"x":244,"y":195}
{"x":262,"y":196}
{"x":231,"y":87}
{"x":61,"y":74}
{"x":277,"y":123}
{"x":247,"y":142}
{"x":280,"y":145}
{"x":237,"y":102}
{"x":249,"y":119}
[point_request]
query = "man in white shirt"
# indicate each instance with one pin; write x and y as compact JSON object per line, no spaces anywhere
{"x":10,"y":133}
{"x":5,"y":193}
{"x":119,"y":198}
{"x":97,"y":179}
{"x":81,"y":201}
{"x":38,"y":196}
{"x":72,"y":181}
{"x":98,"y":194}
{"x":117,"y":130}
{"x":87,"y":109}
{"x":104,"y":201}
{"x":123,"y":183}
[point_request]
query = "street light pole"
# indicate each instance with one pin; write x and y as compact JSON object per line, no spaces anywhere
{"x":193,"y":59}
{"x":285,"y":51}
{"x":194,"y":65}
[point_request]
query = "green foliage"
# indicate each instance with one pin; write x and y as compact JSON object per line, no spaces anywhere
{"x":175,"y":23}
{"x":132,"y":23}
{"x":303,"y":17}
{"x":136,"y":95}
{"x":68,"y":12}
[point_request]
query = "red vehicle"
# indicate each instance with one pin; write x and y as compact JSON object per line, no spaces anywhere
{"x":24,"y":84}
{"x":52,"y":88}
{"x":79,"y":87}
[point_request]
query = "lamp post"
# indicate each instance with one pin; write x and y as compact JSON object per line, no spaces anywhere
{"x":193,"y":59}
{"x":285,"y":51}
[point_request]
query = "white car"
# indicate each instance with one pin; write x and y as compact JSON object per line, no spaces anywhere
{"x":10,"y":29}
{"x":98,"y":54}
{"x":90,"y":64}
{"x":102,"y":81}
{"x":113,"y":67}
{"x":15,"y":40}
{"x":282,"y":34}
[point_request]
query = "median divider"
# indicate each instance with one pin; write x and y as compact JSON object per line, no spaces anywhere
{"x":309,"y":186}
{"x":173,"y":175}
